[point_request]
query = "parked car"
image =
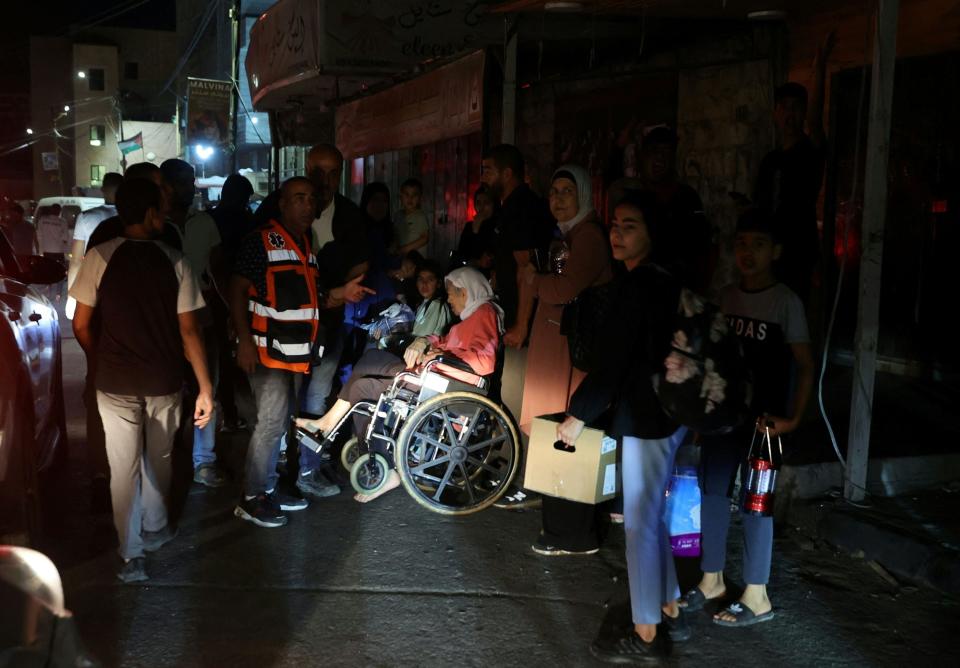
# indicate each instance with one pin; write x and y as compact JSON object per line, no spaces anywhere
{"x":32,"y":418}
{"x":36,"y":628}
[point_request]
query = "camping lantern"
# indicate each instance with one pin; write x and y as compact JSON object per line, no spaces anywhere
{"x":761,"y":482}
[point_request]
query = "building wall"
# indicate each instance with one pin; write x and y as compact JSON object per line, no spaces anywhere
{"x":723,"y":120}
{"x":154,"y":54}
{"x":95,"y":108}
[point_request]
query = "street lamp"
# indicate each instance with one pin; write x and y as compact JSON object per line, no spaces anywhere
{"x":29,"y":131}
{"x":81,"y":74}
{"x":66,"y":107}
{"x":203,"y":153}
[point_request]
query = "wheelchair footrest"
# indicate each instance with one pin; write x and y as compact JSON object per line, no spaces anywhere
{"x":315,"y":442}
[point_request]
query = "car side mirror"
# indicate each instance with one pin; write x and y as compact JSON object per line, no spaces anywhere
{"x":39,"y":270}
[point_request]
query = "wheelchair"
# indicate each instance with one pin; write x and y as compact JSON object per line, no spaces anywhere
{"x":455,"y":448}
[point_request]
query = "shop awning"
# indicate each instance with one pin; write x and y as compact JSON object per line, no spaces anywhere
{"x":444,"y":103}
{"x":306,"y":55}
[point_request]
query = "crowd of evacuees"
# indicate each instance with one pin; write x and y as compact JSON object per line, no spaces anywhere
{"x":178,"y":309}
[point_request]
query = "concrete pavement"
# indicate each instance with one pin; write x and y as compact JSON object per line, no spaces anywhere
{"x":391,"y":584}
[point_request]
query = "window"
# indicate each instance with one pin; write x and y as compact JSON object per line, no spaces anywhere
{"x":97,"y":135}
{"x":95,"y":77}
{"x":96,"y":174}
{"x":131,"y":71}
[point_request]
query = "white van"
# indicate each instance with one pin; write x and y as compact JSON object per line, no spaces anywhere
{"x":70,"y":207}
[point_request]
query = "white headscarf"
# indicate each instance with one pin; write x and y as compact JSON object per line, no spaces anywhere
{"x":584,"y":194}
{"x":478,"y":290}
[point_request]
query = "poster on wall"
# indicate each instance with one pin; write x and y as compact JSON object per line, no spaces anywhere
{"x":208,"y":111}
{"x":50,"y":161}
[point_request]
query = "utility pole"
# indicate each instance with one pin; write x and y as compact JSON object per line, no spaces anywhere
{"x":874,"y":220}
{"x":123,"y":156}
{"x":234,"y":77}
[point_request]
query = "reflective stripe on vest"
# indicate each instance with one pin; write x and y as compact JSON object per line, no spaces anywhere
{"x":285,"y":320}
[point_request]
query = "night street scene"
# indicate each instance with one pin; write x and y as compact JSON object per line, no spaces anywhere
{"x":479,"y":333}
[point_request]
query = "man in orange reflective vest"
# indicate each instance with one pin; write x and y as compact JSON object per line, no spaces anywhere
{"x":275,"y":305}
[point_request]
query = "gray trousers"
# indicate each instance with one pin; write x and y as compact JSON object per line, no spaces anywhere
{"x":647,"y":464}
{"x":275,"y":391}
{"x":139,"y":438}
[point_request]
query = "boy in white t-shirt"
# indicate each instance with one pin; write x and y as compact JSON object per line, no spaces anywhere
{"x":411,"y":231}
{"x":768,"y":318}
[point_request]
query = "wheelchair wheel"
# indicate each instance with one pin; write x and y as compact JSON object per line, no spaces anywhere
{"x":350,"y":453}
{"x":457,"y":453}
{"x":369,"y":473}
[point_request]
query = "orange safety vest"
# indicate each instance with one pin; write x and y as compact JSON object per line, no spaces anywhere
{"x":285,"y":321}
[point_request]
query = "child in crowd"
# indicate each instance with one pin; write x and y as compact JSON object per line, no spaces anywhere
{"x":433,"y":314}
{"x":411,"y":231}
{"x":405,"y":279}
{"x":769,"y":319}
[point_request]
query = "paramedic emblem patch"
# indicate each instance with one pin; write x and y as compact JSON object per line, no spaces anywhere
{"x":276,"y":240}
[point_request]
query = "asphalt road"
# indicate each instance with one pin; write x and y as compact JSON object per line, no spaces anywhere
{"x":390,"y":584}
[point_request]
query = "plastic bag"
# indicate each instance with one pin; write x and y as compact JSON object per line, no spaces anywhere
{"x":682,"y":513}
{"x":395,"y":319}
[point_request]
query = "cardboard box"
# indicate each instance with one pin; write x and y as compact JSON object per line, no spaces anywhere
{"x":585,"y":472}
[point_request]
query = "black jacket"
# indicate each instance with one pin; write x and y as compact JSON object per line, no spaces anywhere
{"x":635,"y":343}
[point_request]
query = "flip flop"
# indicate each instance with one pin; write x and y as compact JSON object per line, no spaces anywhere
{"x":743,"y":616}
{"x":694,"y":600}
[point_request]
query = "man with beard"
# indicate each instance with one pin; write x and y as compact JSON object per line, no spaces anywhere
{"x":524,"y":228}
{"x":147,"y":301}
{"x":338,"y":233}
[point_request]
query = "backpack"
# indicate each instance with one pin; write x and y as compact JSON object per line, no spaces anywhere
{"x":704,"y":383}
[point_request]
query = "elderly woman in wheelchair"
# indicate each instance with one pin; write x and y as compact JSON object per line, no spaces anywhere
{"x":436,"y":413}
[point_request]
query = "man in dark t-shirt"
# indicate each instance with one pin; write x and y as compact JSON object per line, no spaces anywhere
{"x":523,"y":230}
{"x":790,"y":176}
{"x":146,"y":299}
{"x":685,"y":246}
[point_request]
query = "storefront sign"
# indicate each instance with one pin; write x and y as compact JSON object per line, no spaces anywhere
{"x":208,"y":111}
{"x":442,"y":104}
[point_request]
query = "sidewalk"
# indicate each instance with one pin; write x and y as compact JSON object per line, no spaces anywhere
{"x":912,"y":539}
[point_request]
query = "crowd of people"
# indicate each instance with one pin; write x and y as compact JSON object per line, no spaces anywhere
{"x":279,"y":298}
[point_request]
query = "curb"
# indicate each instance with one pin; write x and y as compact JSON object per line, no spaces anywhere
{"x":904,"y":555}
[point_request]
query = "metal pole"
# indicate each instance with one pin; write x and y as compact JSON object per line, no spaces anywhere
{"x":508,"y":132}
{"x":234,"y":75}
{"x":874,"y":219}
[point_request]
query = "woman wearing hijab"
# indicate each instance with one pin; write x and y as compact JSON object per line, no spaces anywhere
{"x":474,"y":341}
{"x":579,"y":259}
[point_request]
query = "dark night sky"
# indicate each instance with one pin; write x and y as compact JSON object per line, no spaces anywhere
{"x":47,"y":17}
{"x":56,"y":17}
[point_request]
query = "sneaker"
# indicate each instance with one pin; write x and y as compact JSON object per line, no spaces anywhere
{"x":677,"y":627}
{"x":261,"y":511}
{"x":154,"y":540}
{"x":287,"y":502}
{"x":134,"y":570}
{"x":312,"y":483}
{"x":551,"y":551}
{"x":229,"y":427}
{"x":210,"y":475}
{"x":630,"y":648}
{"x":518,"y":499}
{"x":616,"y":518}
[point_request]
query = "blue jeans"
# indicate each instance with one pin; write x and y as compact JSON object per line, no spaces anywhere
{"x":205,"y":439}
{"x":275,"y":392}
{"x":319,"y":385}
{"x":647,"y":465}
{"x":720,"y":458}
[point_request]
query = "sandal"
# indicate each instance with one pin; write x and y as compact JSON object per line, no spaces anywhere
{"x":743,"y":616}
{"x":693,"y":600}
